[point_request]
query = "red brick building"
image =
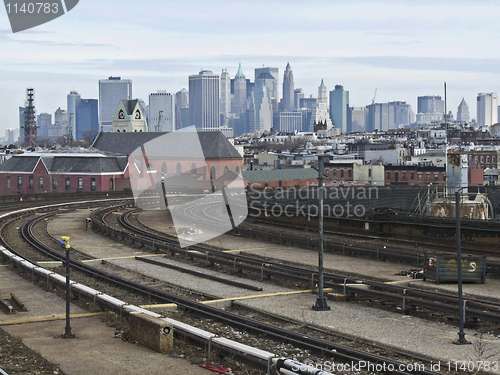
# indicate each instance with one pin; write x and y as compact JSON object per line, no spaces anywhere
{"x":34,"y":173}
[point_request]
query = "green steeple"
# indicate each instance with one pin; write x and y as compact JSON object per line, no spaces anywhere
{"x":240,"y":74}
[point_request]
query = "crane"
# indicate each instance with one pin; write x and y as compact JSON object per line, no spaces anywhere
{"x":374,"y":95}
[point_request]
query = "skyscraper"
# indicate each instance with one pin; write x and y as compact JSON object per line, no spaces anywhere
{"x":111,"y":91}
{"x":320,"y":111}
{"x":225,"y":93}
{"x":463,"y":112}
{"x":288,"y":89}
{"x":44,"y":120}
{"x":273,"y":83}
{"x":204,"y":100}
{"x":87,"y":119}
{"x":263,"y":109}
{"x":297,"y":95}
{"x":240,"y":92}
{"x":487,"y":109}
{"x":430,"y":104}
{"x":358,"y":119}
{"x":339,"y":105}
{"x":385,"y":116}
{"x":181,"y":109}
{"x":73,"y":101}
{"x":160,"y":105}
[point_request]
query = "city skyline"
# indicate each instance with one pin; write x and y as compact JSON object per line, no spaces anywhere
{"x":403,"y":49}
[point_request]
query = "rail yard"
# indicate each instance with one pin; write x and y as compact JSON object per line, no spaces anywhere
{"x":243,"y":300}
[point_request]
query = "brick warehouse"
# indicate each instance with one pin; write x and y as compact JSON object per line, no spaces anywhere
{"x":105,"y":167}
{"x":62,"y":172}
{"x":177,"y":164}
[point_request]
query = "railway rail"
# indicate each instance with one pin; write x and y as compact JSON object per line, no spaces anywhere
{"x":257,"y":357}
{"x":408,"y":297}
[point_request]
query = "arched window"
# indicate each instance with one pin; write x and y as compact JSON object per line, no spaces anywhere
{"x":111,"y":185}
{"x":124,"y":130}
{"x":226,"y":169}
{"x":178,"y":168}
{"x":118,"y":130}
{"x":237,"y":170}
{"x":164,"y":169}
{"x":212,"y":173}
{"x":193,"y":168}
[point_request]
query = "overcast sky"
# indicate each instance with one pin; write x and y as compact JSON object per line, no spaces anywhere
{"x":403,"y":48}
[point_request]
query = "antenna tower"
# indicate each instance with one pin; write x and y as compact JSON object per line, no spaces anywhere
{"x":30,"y":128}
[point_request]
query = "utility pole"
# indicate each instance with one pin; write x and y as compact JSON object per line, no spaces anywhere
{"x":320,"y":304}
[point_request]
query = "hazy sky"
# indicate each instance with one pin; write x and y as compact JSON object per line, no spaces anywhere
{"x":403,"y":48}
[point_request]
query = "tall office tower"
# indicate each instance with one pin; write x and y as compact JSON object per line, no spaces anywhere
{"x":320,"y":111}
{"x":181,"y":109}
{"x":385,"y":116}
{"x":111,"y":91}
{"x":21,"y":124}
{"x":290,"y":122}
{"x":263,"y":109}
{"x":11,"y":135}
{"x":225,"y":93}
{"x":297,"y":95}
{"x":240,"y":93}
{"x":30,"y":127}
{"x":288,"y":89}
{"x":487,"y":109}
{"x":87,"y":119}
{"x":204,"y":100}
{"x":273,"y":83}
{"x":430,"y":104}
{"x":463,"y":112}
{"x":73,"y":101}
{"x":44,"y":120}
{"x":339,"y":105}
{"x":358,"y":119}
{"x":322,"y":94}
{"x":160,"y":112}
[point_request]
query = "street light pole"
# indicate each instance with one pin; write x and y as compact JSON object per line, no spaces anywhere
{"x":320,"y":304}
{"x":461,"y":334}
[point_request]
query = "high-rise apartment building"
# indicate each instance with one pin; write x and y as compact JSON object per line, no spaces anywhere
{"x":111,"y":91}
{"x":339,"y":106}
{"x":73,"y":101}
{"x":160,"y":112}
{"x":463,"y":112}
{"x":288,"y":89}
{"x":204,"y":100}
{"x":487,"y":109}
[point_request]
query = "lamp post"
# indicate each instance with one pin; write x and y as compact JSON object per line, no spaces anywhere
{"x":320,"y":304}
{"x":461,"y":334}
{"x":67,"y":332}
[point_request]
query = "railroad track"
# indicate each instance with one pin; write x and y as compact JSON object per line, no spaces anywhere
{"x":310,"y":343}
{"x":406,"y":296}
